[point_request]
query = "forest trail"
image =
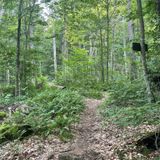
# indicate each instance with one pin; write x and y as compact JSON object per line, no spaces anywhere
{"x":91,"y":141}
{"x":88,"y":133}
{"x":89,"y":137}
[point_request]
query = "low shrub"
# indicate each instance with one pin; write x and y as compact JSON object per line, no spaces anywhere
{"x":125,"y":94}
{"x":127,"y":105}
{"x":90,"y":93}
{"x":8,"y":99}
{"x":2,"y":115}
{"x":51,"y":111}
{"x":7,"y":89}
{"x":125,"y":116}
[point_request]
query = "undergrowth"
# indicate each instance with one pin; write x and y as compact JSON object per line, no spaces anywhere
{"x":90,"y":93}
{"x":90,"y":89}
{"x":125,"y":116}
{"x":127,"y":105}
{"x":50,"y":111}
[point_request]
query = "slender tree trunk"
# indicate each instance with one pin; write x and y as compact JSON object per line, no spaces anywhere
{"x":108,"y":30}
{"x":133,"y":67}
{"x":112,"y":51}
{"x":28,"y":28}
{"x":91,"y":49}
{"x":102,"y":56}
{"x":24,"y":76}
{"x":54,"y":55}
{"x":64,"y":40}
{"x":17,"y":91}
{"x":143,"y":53}
{"x":64,"y":44}
{"x":125,"y":52}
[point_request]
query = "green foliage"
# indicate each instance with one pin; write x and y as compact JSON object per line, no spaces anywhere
{"x":90,"y":93}
{"x":7,"y":89}
{"x":54,"y":109}
{"x":157,"y":158}
{"x":124,"y":94}
{"x":14,"y":131}
{"x":127,"y":105}
{"x":7,"y":95}
{"x":8,"y":99}
{"x":39,"y":85}
{"x":2,"y":115}
{"x":125,"y":116}
{"x":51,"y":111}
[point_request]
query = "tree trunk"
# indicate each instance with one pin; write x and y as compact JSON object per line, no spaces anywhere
{"x":90,"y":46}
{"x":108,"y":30}
{"x":64,"y":44}
{"x":112,"y":52}
{"x":28,"y":45}
{"x":133,"y":67}
{"x":124,"y":48}
{"x":54,"y":55}
{"x":64,"y":40}
{"x":143,"y":53}
{"x":102,"y":56}
{"x":17,"y":91}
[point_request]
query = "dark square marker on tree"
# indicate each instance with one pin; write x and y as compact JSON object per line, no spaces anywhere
{"x":137,"y":47}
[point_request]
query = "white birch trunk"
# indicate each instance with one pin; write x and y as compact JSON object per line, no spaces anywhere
{"x":54,"y":55}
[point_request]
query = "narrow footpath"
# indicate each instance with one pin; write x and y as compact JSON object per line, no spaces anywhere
{"x":91,"y":141}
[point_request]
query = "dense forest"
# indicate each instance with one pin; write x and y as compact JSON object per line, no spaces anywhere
{"x":80,"y":79}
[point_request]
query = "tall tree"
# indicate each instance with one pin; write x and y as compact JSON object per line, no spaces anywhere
{"x":133,"y":70}
{"x":108,"y":37}
{"x":17,"y":90}
{"x":143,"y":53}
{"x":54,"y":54}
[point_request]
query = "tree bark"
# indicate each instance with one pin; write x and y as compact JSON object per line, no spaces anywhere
{"x":112,"y":52}
{"x":102,"y":56}
{"x":133,"y":67}
{"x":64,"y":43}
{"x":54,"y":55}
{"x":124,"y":46}
{"x":108,"y":30}
{"x":17,"y":91}
{"x":143,"y":53}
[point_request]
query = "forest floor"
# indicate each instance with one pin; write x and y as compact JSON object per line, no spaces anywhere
{"x":92,"y":141}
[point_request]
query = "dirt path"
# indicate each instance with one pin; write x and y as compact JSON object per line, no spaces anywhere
{"x":90,"y":142}
{"x":88,"y":133}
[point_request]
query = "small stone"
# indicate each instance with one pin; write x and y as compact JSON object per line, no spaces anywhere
{"x":69,"y":156}
{"x":50,"y":157}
